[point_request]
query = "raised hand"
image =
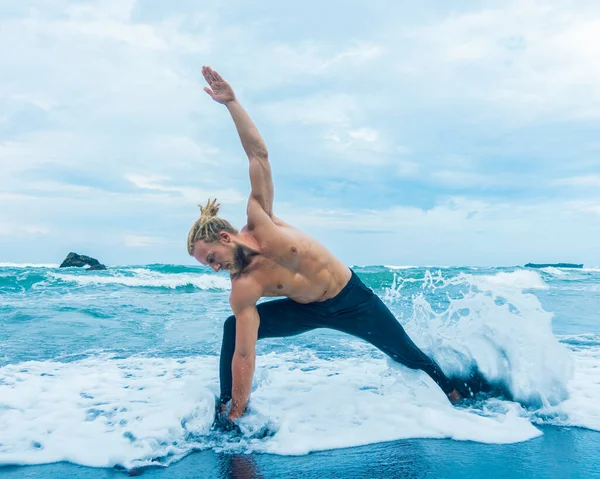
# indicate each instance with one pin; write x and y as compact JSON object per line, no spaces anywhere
{"x":219,"y":90}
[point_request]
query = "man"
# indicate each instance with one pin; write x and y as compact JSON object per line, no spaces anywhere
{"x":268,"y":257}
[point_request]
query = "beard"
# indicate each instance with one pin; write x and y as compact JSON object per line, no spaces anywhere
{"x":242,"y":257}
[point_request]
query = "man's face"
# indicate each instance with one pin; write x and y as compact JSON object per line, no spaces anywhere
{"x":219,"y":256}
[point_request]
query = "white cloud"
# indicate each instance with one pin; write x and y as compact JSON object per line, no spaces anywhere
{"x":182,"y":147}
{"x":367,"y":135}
{"x":528,"y":58}
{"x":585,"y":206}
{"x":319,"y":109}
{"x":17,"y":230}
{"x":360,"y":145}
{"x":42,"y":147}
{"x":155,"y":184}
{"x":407,"y":169}
{"x":356,"y":55}
{"x":136,"y":241}
{"x":586,"y":181}
{"x":457,"y":231}
{"x":464,"y":179}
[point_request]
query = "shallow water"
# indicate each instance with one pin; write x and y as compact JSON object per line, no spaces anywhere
{"x":119,"y":367}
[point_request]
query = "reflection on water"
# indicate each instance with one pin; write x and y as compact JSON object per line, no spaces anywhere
{"x":238,"y":466}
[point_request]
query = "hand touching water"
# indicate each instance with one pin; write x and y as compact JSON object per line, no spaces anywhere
{"x":219,"y":90}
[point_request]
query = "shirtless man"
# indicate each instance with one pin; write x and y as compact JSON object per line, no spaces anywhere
{"x":268,"y":257}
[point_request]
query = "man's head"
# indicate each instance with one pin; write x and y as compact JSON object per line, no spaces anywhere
{"x":210,"y":240}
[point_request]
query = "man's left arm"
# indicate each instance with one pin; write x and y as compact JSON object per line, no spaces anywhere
{"x":261,"y":180}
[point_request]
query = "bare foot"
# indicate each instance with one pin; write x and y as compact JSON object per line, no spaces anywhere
{"x":454,"y":396}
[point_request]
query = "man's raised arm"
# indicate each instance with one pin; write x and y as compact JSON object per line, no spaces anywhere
{"x":254,"y":146}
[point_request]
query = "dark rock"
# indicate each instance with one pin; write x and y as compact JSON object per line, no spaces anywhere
{"x":553,"y":265}
{"x":80,"y":260}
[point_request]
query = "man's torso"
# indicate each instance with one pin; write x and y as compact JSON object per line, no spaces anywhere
{"x":292,"y":264}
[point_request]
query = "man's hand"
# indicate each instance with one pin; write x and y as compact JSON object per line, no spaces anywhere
{"x":219,"y":90}
{"x":222,"y":422}
{"x":233,"y":415}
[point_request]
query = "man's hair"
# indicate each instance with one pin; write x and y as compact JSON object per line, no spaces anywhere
{"x":208,"y":226}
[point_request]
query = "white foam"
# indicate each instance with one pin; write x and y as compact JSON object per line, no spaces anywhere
{"x":582,"y":408}
{"x":104,"y":412}
{"x":140,"y":277}
{"x":392,"y":267}
{"x":555,"y":271}
{"x":520,"y":279}
{"x":27,"y":265}
{"x":360,"y":401}
{"x":492,"y":323}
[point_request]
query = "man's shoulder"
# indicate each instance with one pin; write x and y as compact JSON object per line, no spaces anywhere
{"x":245,"y":289}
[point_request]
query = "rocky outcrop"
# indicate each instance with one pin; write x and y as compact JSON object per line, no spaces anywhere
{"x":80,"y":260}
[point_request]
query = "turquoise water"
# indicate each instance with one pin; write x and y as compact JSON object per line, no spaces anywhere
{"x":119,"y":368}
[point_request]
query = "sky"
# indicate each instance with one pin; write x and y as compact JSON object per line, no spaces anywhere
{"x":399,"y":133}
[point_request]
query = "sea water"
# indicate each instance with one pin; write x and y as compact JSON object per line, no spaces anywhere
{"x":119,"y":367}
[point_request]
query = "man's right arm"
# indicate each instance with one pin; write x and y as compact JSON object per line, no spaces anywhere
{"x":243,"y":362}
{"x":244,"y":295}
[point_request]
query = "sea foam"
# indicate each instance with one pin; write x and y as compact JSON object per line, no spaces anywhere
{"x":28,"y":265}
{"x":132,"y":412}
{"x":492,"y":324}
{"x":140,"y":277}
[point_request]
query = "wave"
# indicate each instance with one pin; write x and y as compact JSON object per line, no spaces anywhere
{"x":555,"y":271}
{"x":393,"y":267}
{"x":148,"y":279}
{"x":581,"y":340}
{"x":490,"y":324}
{"x":27,"y":265}
{"x":520,"y":280}
{"x":24,"y":279}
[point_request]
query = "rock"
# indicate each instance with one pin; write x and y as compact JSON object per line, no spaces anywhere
{"x":80,"y":260}
{"x":553,"y":265}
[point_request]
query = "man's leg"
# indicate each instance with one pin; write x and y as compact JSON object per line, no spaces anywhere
{"x":372,"y":321}
{"x":278,"y":318}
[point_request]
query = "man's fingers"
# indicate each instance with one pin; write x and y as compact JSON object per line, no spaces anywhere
{"x":210,"y":75}
{"x":209,"y":91}
{"x":207,"y":73}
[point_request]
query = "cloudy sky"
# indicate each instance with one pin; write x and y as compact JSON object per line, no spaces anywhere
{"x":399,"y":132}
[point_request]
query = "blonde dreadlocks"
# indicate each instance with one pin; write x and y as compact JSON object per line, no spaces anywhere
{"x":208,"y":226}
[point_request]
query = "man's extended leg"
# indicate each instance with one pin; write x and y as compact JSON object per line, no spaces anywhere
{"x":361,"y":313}
{"x":278,"y":318}
{"x":380,"y":328}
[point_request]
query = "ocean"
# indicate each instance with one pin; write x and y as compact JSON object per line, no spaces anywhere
{"x":108,"y":373}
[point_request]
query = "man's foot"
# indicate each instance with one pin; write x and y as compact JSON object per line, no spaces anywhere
{"x":455,"y":397}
